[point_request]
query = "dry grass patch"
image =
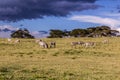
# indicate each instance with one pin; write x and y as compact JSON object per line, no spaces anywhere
{"x":28,"y":61}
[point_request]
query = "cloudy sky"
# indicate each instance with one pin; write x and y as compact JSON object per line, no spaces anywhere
{"x":43,"y":15}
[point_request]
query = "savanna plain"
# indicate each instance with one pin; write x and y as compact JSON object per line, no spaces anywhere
{"x":28,"y":61}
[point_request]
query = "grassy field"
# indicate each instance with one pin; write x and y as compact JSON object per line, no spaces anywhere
{"x":28,"y":61}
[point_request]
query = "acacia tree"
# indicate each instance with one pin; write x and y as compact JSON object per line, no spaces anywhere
{"x":101,"y":31}
{"x":98,"y":31}
{"x":78,"y":33}
{"x":21,"y":33}
{"x":56,"y":34}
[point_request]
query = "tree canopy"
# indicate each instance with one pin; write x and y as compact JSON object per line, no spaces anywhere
{"x":98,"y":31}
{"x":21,"y":33}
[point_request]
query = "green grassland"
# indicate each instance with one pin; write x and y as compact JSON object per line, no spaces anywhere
{"x":28,"y":61}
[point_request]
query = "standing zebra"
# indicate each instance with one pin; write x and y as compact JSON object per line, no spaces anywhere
{"x":43,"y":44}
{"x":17,"y":41}
{"x":9,"y":39}
{"x":105,"y":41}
{"x":81,"y":43}
{"x":52,"y":44}
{"x":89,"y":44}
{"x":73,"y":44}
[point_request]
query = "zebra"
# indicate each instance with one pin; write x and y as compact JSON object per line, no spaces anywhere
{"x":52,"y":44}
{"x":77,"y":43}
{"x":89,"y":44}
{"x":105,"y":41}
{"x":9,"y":40}
{"x":73,"y":44}
{"x":81,"y":43}
{"x":17,"y":41}
{"x":43,"y":44}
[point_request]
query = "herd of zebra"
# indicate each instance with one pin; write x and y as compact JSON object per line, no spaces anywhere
{"x":87,"y":44}
{"x":45,"y":45}
{"x":52,"y":44}
{"x":39,"y":41}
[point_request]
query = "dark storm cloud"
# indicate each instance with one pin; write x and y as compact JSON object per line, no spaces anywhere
{"x":15,"y":10}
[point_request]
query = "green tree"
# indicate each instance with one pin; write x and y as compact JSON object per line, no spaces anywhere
{"x":98,"y":31}
{"x":56,"y":34}
{"x":66,"y":33}
{"x":21,"y":33}
{"x":78,"y":33}
{"x":101,"y":31}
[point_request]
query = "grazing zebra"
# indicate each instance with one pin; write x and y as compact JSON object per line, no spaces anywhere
{"x":52,"y":44}
{"x":89,"y":44}
{"x":105,"y":41}
{"x":17,"y":41}
{"x":9,"y":40}
{"x":81,"y":43}
{"x":73,"y":44}
{"x":43,"y":44}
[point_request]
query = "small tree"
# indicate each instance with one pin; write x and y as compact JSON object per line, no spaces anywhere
{"x":56,"y":34}
{"x":21,"y":33}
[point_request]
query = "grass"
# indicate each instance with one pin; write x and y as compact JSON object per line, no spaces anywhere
{"x":28,"y":61}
